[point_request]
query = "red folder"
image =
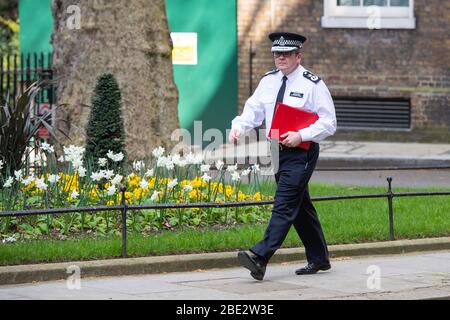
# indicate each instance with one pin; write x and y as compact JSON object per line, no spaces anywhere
{"x":287,"y":118}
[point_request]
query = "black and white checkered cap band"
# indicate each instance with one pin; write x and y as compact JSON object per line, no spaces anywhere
{"x":282,"y":42}
{"x":284,"y":49}
{"x":286,"y":45}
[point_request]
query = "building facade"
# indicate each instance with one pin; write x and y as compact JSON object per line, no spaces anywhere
{"x":387,"y":67}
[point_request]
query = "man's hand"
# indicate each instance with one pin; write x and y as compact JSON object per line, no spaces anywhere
{"x":234,"y":135}
{"x":291,"y":138}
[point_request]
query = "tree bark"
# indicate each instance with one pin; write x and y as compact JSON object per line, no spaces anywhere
{"x":130,"y":39}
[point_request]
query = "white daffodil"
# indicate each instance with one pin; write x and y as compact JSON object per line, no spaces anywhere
{"x":74,"y":154}
{"x":205,"y":167}
{"x":188,"y":188}
{"x":232,"y":168}
{"x":8,"y":183}
{"x":176,"y":158}
{"x":53,"y":178}
{"x":154,"y":196}
{"x":246,"y":172}
{"x":162,"y":161}
{"x":41,"y":185}
{"x":81,"y":171}
{"x":117,"y":179}
{"x":138,"y":165}
{"x":172,"y":183}
{"x":111,"y":190}
{"x":205,"y":177}
{"x":235,"y":176}
{"x":77,"y":163}
{"x":190,"y":158}
{"x":46,"y":147}
{"x":255,"y":168}
{"x":158,"y":152}
{"x":74,"y":194}
{"x":119,"y":157}
{"x":219,"y":164}
{"x":18,"y":175}
{"x":97,"y":176}
{"x":110,"y":154}
{"x":149,"y":173}
{"x":143,"y":184}
{"x":107,"y":174}
{"x":27,"y":181}
{"x":170,"y":165}
{"x":116,"y":157}
{"x":102,"y":162}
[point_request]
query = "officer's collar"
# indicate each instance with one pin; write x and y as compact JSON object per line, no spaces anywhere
{"x":294,"y":74}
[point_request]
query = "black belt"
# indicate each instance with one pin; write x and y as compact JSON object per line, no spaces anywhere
{"x":282,"y":147}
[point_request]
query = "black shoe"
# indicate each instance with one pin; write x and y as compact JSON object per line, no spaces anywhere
{"x":312,"y":268}
{"x":255,"y":264}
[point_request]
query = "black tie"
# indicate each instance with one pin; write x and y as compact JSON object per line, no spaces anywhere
{"x":280,"y":95}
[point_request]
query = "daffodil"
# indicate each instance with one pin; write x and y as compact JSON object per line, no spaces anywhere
{"x":111,"y":190}
{"x":8,"y":183}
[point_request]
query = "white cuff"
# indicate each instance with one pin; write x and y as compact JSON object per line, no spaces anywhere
{"x":306,"y":134}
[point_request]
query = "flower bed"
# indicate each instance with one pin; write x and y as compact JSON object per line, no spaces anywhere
{"x":73,"y":181}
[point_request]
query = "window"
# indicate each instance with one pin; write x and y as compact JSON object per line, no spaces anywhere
{"x":370,"y":14}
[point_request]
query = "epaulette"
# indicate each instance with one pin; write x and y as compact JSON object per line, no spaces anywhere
{"x":311,"y":76}
{"x":270,"y":72}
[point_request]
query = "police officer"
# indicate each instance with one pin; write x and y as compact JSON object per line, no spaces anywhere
{"x":295,"y":86}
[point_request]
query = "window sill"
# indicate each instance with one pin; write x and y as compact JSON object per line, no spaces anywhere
{"x":367,"y":23}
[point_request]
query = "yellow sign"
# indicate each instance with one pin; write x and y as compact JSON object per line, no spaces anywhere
{"x":184,"y":47}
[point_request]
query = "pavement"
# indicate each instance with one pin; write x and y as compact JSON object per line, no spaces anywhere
{"x":17,"y":274}
{"x":356,"y":154}
{"x":406,"y":276}
{"x":351,"y":154}
{"x":346,"y":153}
{"x":340,"y":153}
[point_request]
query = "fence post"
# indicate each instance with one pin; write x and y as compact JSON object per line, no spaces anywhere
{"x":390,"y":195}
{"x":124,"y":222}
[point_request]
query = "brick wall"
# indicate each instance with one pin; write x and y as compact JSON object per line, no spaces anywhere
{"x":412,"y":63}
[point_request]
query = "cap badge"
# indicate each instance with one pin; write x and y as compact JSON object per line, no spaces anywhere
{"x":282,"y":41}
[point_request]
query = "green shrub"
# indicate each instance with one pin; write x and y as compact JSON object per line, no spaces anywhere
{"x":105,"y":131}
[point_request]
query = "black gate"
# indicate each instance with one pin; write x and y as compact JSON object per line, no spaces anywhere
{"x":18,"y":72}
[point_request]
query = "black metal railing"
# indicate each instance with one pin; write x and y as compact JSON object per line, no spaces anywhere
{"x":19,"y":71}
{"x":124,"y":208}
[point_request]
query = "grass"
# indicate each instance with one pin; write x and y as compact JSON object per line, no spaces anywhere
{"x":343,"y":221}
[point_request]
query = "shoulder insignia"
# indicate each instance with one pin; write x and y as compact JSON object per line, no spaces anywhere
{"x":311,"y":76}
{"x":271,"y":72}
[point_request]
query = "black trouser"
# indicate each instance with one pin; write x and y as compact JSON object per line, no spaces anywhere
{"x":293,"y":206}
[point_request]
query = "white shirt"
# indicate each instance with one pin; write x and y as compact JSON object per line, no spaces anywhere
{"x":301,"y":92}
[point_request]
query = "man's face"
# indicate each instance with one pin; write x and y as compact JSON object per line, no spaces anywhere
{"x":286,"y":62}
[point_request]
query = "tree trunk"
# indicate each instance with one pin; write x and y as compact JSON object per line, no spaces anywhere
{"x":131,"y":40}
